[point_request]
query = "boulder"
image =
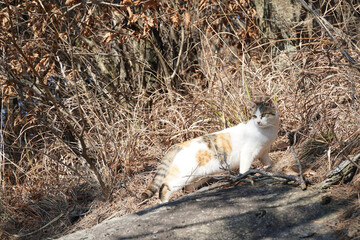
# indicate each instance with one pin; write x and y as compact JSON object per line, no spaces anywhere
{"x":259,"y":211}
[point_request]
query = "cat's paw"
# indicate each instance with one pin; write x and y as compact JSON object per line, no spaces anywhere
{"x":268,"y":168}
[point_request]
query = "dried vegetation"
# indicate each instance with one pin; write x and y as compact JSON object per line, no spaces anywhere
{"x":94,"y":92}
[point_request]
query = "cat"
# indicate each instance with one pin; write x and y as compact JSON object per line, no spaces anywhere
{"x":189,"y":163}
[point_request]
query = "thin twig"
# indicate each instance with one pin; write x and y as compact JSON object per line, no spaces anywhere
{"x":268,"y":174}
{"x":46,"y":225}
{"x":301,"y":177}
{"x":354,"y":160}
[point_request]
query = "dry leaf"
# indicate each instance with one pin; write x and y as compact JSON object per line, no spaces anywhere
{"x":109,"y":36}
{"x":4,"y":20}
{"x":10,"y":91}
{"x":127,"y":2}
{"x":71,"y":2}
{"x":151,"y":4}
{"x":175,"y":19}
{"x":187,"y":19}
{"x":42,"y":64}
{"x":152,"y":21}
{"x":18,"y":120}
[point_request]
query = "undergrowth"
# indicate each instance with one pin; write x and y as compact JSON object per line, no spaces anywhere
{"x":82,"y":142}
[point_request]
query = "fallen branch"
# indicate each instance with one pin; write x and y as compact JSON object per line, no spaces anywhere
{"x":235,"y":178}
{"x":264,"y":174}
{"x":345,"y":168}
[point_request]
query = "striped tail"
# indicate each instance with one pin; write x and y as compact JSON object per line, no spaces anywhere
{"x":153,"y":187}
{"x":162,"y":171}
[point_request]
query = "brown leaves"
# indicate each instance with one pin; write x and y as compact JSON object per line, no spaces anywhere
{"x":71,"y":2}
{"x":16,"y":66}
{"x":149,"y":22}
{"x":151,"y":4}
{"x":175,"y":19}
{"x":187,"y":19}
{"x":43,"y":63}
{"x":4,"y":19}
{"x":8,"y":90}
{"x":180,"y":16}
{"x":108,"y":37}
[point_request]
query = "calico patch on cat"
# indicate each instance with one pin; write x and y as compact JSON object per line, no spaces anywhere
{"x":235,"y":148}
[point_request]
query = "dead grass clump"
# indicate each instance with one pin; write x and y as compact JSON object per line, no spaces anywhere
{"x":36,"y":211}
{"x":88,"y":113}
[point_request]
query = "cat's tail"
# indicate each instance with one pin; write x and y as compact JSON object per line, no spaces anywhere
{"x":161,"y":173}
{"x":153,"y":187}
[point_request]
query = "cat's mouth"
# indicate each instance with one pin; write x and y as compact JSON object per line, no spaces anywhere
{"x":261,"y":125}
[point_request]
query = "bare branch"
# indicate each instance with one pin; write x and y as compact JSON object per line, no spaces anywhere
{"x":322,"y":21}
{"x":301,"y":177}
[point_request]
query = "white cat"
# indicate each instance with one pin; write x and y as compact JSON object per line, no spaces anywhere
{"x":236,"y":147}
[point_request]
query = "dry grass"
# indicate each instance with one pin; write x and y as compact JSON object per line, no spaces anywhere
{"x":316,"y":91}
{"x":317,"y":101}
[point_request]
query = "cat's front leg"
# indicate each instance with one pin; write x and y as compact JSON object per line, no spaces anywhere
{"x":246,"y":160}
{"x":266,"y":161}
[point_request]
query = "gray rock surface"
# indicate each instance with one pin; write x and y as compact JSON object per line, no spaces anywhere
{"x":242,"y":212}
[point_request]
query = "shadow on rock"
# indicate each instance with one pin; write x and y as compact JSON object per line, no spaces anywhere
{"x":243,"y":212}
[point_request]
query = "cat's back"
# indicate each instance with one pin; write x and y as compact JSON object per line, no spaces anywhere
{"x":201,"y":149}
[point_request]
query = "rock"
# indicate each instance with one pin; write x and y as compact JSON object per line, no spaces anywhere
{"x":242,"y":212}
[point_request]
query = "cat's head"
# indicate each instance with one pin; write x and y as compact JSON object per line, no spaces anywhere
{"x":264,"y":114}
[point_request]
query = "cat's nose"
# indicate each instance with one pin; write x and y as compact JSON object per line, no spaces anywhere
{"x":259,"y":123}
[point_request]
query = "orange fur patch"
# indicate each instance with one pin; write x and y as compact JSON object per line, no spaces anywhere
{"x":223,"y":141}
{"x":187,"y":143}
{"x":184,"y":144}
{"x":173,"y":173}
{"x":203,"y":157}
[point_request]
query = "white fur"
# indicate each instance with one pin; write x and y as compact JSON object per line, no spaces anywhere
{"x":249,"y":140}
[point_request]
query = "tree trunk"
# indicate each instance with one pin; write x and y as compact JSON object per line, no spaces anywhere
{"x":279,"y":22}
{"x":277,"y":19}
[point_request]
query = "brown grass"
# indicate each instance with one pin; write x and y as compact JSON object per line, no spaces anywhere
{"x":46,"y":178}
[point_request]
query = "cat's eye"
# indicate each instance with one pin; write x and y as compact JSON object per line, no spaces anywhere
{"x":266,"y":115}
{"x":254,"y":116}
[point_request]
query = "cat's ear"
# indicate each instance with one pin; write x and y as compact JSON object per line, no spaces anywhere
{"x":268,"y":101}
{"x":252,"y":104}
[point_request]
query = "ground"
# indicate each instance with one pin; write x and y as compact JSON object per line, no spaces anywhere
{"x":259,"y":211}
